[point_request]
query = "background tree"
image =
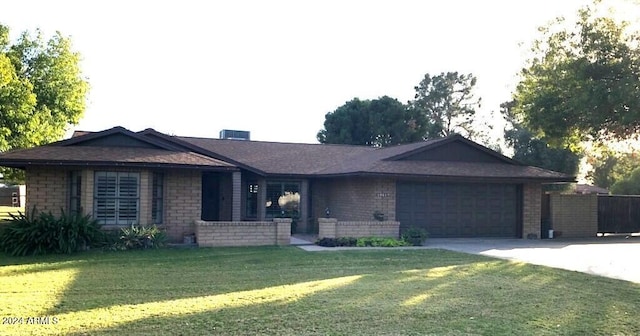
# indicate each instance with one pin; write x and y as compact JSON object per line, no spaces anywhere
{"x":447,"y":103}
{"x":535,"y":152}
{"x":530,"y":150}
{"x":610,"y":166}
{"x":42,"y":90}
{"x":348,"y":124}
{"x":629,"y":185}
{"x":379,"y":122}
{"x":582,"y":82}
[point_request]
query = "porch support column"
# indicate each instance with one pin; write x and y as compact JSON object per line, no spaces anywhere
{"x":236,"y":199}
{"x":303,"y":223}
{"x":531,"y":210}
{"x":262,"y":199}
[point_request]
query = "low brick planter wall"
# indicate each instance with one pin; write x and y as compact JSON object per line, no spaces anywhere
{"x":332,"y":228}
{"x":276,"y":232}
{"x":574,"y":216}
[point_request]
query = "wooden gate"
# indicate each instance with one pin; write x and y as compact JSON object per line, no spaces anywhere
{"x":618,"y":214}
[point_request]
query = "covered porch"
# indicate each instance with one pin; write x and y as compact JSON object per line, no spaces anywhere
{"x":241,"y":208}
{"x":244,"y":196}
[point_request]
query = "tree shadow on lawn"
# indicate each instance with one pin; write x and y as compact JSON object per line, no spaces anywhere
{"x":155,"y":276}
{"x":481,"y":297}
{"x":36,"y":267}
{"x":53,"y":261}
{"x":396,"y":291}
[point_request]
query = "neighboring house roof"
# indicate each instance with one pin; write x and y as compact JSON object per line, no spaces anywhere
{"x":79,"y":133}
{"x":589,"y":189}
{"x":450,"y":157}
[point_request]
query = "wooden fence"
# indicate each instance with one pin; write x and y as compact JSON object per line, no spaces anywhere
{"x":618,"y":214}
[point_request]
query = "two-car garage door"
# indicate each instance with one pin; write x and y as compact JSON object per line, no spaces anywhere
{"x":460,"y":209}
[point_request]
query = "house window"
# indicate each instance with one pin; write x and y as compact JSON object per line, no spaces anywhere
{"x":251,"y":204}
{"x":157,"y":198}
{"x":283,"y":199}
{"x":75,"y":187}
{"x":116,"y":197}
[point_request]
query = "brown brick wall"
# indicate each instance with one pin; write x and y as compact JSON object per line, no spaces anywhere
{"x":182,"y":201}
{"x":368,"y":229}
{"x":574,"y":216}
{"x":354,"y":199}
{"x":327,"y":227}
{"x":332,"y":228}
{"x":531,"y":210}
{"x":47,"y":189}
{"x":276,"y":232}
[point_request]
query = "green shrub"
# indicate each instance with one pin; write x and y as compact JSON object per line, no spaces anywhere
{"x":361,"y":242}
{"x":140,"y":237}
{"x":380,"y":242}
{"x":346,"y":241}
{"x":44,"y":233}
{"x":333,"y":242}
{"x":414,"y":236}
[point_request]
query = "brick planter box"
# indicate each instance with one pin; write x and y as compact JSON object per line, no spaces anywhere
{"x":276,"y":232}
{"x":332,"y":228}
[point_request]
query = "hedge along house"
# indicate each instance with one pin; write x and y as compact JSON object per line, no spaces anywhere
{"x":452,"y":186}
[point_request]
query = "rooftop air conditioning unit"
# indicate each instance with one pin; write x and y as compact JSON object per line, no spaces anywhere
{"x":235,"y":135}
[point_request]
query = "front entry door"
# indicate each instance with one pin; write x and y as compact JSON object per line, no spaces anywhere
{"x":210,"y":196}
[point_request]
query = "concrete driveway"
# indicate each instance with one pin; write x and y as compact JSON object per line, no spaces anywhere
{"x":613,"y":257}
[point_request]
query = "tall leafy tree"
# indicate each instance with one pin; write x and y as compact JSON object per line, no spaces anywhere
{"x":42,"y":90}
{"x":46,"y":92}
{"x":582,"y":81}
{"x":536,"y":152}
{"x":610,"y":166}
{"x":379,"y":122}
{"x":394,"y":123}
{"x":531,"y":150}
{"x":448,"y":103}
{"x":629,"y":185}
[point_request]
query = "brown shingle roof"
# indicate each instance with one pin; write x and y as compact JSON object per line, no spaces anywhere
{"x":281,"y":158}
{"x":270,"y":158}
{"x":334,"y":160}
{"x":88,"y":155}
{"x":435,"y":169}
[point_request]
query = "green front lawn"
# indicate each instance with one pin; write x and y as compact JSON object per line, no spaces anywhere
{"x":5,"y":212}
{"x":286,"y":291}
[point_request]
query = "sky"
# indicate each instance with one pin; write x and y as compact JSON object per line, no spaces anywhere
{"x":275,"y":68}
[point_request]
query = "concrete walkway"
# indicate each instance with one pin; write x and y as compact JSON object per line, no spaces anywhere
{"x":613,"y":257}
{"x":609,"y":257}
{"x":300,"y":240}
